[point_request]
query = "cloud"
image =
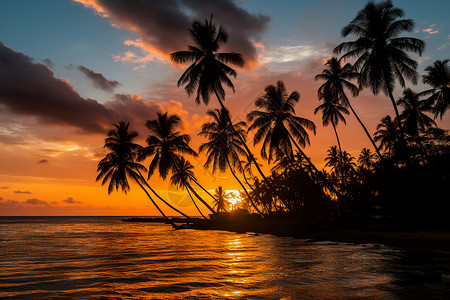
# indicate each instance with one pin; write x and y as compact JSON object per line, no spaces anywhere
{"x":162,"y":25}
{"x":431,"y":29}
{"x":1,"y":198}
{"x":284,"y":54}
{"x":70,"y":200}
{"x":48,"y":62}
{"x":23,"y":192}
{"x":28,"y":88}
{"x":99,"y":80}
{"x":4,"y":188}
{"x":35,"y":201}
{"x":43,"y":161}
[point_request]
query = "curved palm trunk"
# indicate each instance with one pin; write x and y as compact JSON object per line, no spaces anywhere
{"x":154,"y":203}
{"x":205,"y":190}
{"x":340,"y":151}
{"x":189,"y":193}
{"x":159,"y":197}
{"x":313,"y":169}
{"x":365,"y":129}
{"x":242,"y":185}
{"x":201,"y":199}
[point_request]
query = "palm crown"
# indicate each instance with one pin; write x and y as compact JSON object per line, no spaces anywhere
{"x":208,"y":69}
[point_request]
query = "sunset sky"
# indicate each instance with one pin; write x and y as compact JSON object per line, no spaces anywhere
{"x":69,"y":69}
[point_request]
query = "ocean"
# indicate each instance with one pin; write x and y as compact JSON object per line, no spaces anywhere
{"x":105,"y":258}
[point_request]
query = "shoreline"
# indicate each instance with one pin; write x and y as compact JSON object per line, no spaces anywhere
{"x":415,"y":239}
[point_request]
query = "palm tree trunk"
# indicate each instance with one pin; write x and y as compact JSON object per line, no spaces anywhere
{"x":243,"y":187}
{"x":165,"y":202}
{"x":197,"y":183}
{"x":203,"y":201}
{"x":400,"y":127}
{"x":365,"y":129}
{"x":154,"y":203}
{"x":340,"y":160}
{"x":189,"y":193}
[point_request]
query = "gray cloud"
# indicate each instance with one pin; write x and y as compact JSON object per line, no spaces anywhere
{"x":48,"y":62}
{"x":99,"y":80}
{"x":35,"y":201}
{"x":163,"y":24}
{"x":4,"y":188}
{"x":23,"y":192}
{"x":70,"y":200}
{"x":43,"y":161}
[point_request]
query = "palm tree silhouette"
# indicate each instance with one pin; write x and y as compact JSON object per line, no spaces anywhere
{"x":414,"y":119}
{"x":119,"y":164}
{"x":208,"y":70}
{"x":387,"y":135}
{"x":336,"y":79}
{"x":380,"y":53}
{"x":366,"y":159}
{"x":334,"y":159}
{"x":224,"y":146}
{"x":164,"y":143}
{"x":221,"y":204}
{"x":439,"y":78}
{"x":332,"y":112}
{"x":181,"y":177}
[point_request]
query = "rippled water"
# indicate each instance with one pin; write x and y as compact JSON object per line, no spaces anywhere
{"x":104,"y":258}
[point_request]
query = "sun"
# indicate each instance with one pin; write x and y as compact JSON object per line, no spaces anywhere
{"x":234,"y":199}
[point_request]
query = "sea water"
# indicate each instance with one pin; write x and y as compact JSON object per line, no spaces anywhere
{"x":105,"y":258}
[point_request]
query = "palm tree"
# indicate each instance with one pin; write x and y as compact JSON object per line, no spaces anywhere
{"x":338,"y":78}
{"x":332,"y":112}
{"x":439,"y":78}
{"x":119,"y":164}
{"x":387,"y":135}
{"x":224,"y":146}
{"x":208,"y":70}
{"x":366,"y":159}
{"x":165,"y":144}
{"x":221,"y":204}
{"x":413,"y":117}
{"x":276,"y":124}
{"x":181,"y":177}
{"x":333,"y":159}
{"x":380,"y":52}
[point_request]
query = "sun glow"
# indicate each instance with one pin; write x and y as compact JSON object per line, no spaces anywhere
{"x":234,"y":199}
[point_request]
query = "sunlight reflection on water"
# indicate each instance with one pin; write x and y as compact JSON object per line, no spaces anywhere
{"x":85,"y":258}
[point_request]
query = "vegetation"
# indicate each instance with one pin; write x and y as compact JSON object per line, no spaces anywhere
{"x":408,"y":147}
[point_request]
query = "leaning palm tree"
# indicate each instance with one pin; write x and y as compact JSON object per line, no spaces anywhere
{"x":380,"y":52}
{"x":413,"y":115}
{"x":337,"y":78}
{"x":120,"y":162}
{"x":181,"y":177}
{"x":387,"y":135}
{"x":224,"y":147}
{"x":221,"y":204}
{"x":332,"y":112}
{"x":165,"y":144}
{"x":439,"y":78}
{"x":209,"y":69}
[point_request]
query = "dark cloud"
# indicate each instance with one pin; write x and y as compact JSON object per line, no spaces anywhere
{"x":1,"y":198}
{"x":163,"y":24}
{"x":99,"y":80}
{"x":23,"y":192}
{"x":48,"y":62}
{"x":35,"y":201}
{"x":70,"y":200}
{"x":31,"y":89}
{"x":4,"y":188}
{"x":43,"y":161}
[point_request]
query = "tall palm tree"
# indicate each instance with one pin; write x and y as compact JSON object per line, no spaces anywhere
{"x":333,"y":159}
{"x":337,"y":78}
{"x":209,"y":69}
{"x":387,"y":135}
{"x":164,"y":143}
{"x":181,"y":177}
{"x":224,"y":146}
{"x":439,"y":78}
{"x":276,"y":124}
{"x":380,"y":52}
{"x":120,"y":162}
{"x":413,"y":116}
{"x":332,"y":112}
{"x":221,"y":204}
